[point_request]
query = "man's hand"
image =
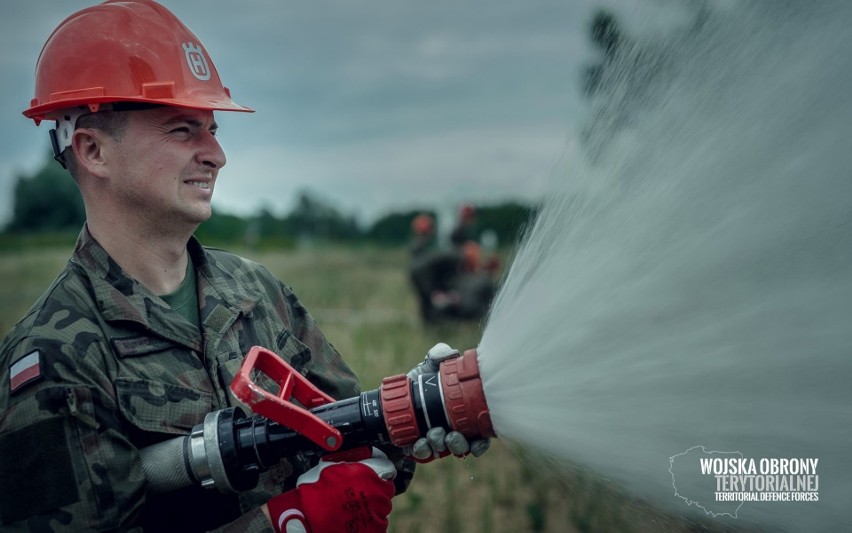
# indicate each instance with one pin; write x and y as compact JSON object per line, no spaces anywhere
{"x":345,"y":496}
{"x":437,"y":442}
{"x":432,"y":363}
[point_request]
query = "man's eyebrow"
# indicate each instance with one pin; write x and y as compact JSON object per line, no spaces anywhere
{"x":192,"y":121}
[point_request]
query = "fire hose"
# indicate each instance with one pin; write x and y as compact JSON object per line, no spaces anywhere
{"x":230,"y":449}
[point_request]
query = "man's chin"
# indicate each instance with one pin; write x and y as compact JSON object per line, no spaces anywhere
{"x":197,"y":216}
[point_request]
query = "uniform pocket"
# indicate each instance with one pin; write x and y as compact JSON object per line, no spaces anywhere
{"x":36,"y":466}
{"x":293,"y":351}
{"x":65,"y":454}
{"x":287,"y":347}
{"x":158,"y":407}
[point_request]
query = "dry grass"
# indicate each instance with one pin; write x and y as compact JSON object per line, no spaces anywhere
{"x":26,"y":274}
{"x":363,"y":302}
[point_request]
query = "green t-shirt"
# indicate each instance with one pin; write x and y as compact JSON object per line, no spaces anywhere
{"x":184,"y":300}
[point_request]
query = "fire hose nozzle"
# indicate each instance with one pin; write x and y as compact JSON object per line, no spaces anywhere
{"x":464,"y":397}
{"x":452,"y":398}
{"x":230,"y":449}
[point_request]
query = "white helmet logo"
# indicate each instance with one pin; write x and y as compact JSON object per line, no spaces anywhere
{"x":196,"y":61}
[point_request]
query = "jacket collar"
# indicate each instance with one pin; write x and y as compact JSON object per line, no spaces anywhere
{"x":121,"y":298}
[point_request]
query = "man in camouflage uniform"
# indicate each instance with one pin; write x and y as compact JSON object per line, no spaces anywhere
{"x":140,"y":335}
{"x":119,"y":370}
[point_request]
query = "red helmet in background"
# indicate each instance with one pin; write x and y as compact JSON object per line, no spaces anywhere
{"x":467,"y":212}
{"x":125,"y":51}
{"x":423,"y":224}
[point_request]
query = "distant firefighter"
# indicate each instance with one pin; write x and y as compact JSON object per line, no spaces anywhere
{"x":450,"y":283}
{"x":465,"y":229}
{"x":423,"y":230}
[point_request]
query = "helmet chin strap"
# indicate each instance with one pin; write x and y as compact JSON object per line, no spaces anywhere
{"x":60,"y":137}
{"x":66,"y":122}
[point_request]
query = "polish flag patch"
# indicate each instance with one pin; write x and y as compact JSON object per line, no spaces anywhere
{"x":25,"y":370}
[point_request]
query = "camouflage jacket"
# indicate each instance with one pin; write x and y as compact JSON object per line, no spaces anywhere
{"x":100,"y":367}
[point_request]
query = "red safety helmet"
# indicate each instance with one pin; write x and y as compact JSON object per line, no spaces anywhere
{"x":423,"y":224}
{"x":125,"y":51}
{"x":467,"y":212}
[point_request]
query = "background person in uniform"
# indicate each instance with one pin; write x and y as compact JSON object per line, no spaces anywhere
{"x":140,"y":335}
{"x":465,"y":229}
{"x":451,"y":282}
{"x":432,"y":269}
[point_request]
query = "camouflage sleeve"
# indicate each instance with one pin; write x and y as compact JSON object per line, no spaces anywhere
{"x":66,"y":463}
{"x":326,"y":369}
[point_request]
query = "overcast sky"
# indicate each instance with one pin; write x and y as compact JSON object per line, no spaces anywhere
{"x":373,"y":106}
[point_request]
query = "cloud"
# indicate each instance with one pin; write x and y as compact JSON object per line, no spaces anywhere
{"x":466,"y":96}
{"x":375,"y":176}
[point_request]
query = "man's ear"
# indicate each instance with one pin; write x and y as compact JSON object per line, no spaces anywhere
{"x":90,"y":151}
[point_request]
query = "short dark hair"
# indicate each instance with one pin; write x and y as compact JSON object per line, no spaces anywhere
{"x":113,"y":123}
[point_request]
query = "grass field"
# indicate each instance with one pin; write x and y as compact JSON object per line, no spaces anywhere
{"x":363,"y":302}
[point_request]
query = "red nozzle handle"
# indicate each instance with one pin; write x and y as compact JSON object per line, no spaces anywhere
{"x":278,"y":408}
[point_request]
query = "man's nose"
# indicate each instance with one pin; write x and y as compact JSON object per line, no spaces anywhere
{"x":211,"y":154}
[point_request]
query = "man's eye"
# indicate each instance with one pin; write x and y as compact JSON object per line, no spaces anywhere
{"x":182,"y":129}
{"x":214,"y":132}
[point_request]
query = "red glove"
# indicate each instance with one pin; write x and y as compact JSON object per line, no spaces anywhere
{"x":338,"y":496}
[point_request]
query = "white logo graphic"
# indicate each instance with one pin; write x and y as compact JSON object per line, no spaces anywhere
{"x":196,"y":61}
{"x":719,"y":482}
{"x":703,"y":495}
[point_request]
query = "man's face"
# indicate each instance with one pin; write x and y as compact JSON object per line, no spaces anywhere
{"x":165,"y":165}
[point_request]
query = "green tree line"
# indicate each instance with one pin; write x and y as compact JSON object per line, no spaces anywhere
{"x":48,"y":202}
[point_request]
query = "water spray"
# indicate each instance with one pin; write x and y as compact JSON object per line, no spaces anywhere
{"x":687,"y":283}
{"x":230,"y":449}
